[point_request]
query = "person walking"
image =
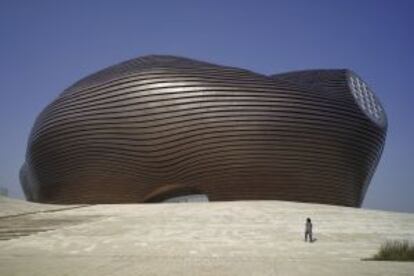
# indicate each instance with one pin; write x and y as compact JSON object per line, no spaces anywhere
{"x":308,"y":230}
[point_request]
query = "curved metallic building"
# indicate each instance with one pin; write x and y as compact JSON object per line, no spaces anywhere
{"x":161,"y":127}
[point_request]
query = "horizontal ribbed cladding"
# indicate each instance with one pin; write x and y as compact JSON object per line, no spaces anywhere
{"x":339,"y":84}
{"x":163,"y":123}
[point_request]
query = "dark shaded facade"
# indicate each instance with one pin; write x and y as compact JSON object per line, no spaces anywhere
{"x":158,"y":127}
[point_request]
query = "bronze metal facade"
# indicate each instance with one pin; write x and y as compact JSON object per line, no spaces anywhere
{"x":161,"y":126}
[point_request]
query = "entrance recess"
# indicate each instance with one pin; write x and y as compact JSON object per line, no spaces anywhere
{"x":176,"y":193}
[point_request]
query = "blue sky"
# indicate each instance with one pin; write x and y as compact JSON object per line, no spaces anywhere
{"x":47,"y":45}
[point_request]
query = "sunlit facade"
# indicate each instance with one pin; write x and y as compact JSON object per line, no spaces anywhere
{"x":163,"y":128}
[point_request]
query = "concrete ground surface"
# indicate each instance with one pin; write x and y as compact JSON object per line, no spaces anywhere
{"x":216,"y":238}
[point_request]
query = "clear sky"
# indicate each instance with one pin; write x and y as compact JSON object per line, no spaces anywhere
{"x":47,"y":45}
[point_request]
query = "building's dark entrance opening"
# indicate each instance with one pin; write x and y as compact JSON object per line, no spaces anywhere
{"x":174,"y":193}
